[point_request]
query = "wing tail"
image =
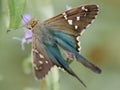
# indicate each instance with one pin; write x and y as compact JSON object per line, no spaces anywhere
{"x":59,"y":61}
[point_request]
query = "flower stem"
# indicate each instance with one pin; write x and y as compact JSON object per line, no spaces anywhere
{"x":53,"y":80}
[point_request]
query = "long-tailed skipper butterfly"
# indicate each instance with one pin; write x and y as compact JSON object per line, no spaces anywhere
{"x":60,"y":32}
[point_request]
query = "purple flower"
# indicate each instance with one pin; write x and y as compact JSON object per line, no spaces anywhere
{"x":28,"y":34}
{"x":26,"y":18}
{"x":70,"y":56}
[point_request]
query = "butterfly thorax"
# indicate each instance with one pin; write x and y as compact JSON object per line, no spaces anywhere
{"x":32,"y":24}
{"x":43,"y":33}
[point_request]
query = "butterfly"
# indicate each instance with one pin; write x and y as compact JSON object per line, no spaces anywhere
{"x":60,"y":32}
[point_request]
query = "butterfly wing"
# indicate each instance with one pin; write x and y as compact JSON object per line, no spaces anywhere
{"x":74,"y":21}
{"x":41,"y":62}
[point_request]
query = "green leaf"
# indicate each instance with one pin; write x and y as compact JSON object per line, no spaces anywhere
{"x":16,"y":8}
{"x":0,"y":11}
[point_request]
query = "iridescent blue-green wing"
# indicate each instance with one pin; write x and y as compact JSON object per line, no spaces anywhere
{"x":66,"y":42}
{"x":55,"y":55}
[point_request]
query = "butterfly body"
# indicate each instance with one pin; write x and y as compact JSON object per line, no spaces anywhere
{"x":58,"y":32}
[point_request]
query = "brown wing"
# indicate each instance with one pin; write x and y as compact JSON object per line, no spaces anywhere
{"x":74,"y":21}
{"x":41,"y":62}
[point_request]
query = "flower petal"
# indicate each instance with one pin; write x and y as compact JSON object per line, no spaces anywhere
{"x":70,"y":56}
{"x":26,"y":18}
{"x":28,"y":34}
{"x":68,"y":7}
{"x":17,"y":38}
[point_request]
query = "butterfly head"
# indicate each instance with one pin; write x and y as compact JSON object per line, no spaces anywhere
{"x":32,"y":24}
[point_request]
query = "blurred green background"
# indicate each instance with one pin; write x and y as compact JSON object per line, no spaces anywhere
{"x":100,"y":44}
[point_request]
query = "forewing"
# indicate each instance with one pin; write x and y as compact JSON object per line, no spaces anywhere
{"x":74,"y":21}
{"x":41,"y":62}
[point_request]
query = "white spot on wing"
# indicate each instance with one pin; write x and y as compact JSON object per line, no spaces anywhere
{"x":86,"y":10}
{"x":88,"y":25}
{"x":83,"y":8}
{"x":34,"y":50}
{"x":46,"y":62}
{"x":41,"y":62}
{"x":65,"y":15}
{"x":41,"y":56}
{"x":76,"y":26}
{"x":70,"y":22}
{"x":79,"y":48}
{"x":35,"y":66}
{"x":82,"y":31}
{"x":97,"y":6}
{"x":78,"y":39}
{"x":78,"y":18}
{"x":92,"y":21}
